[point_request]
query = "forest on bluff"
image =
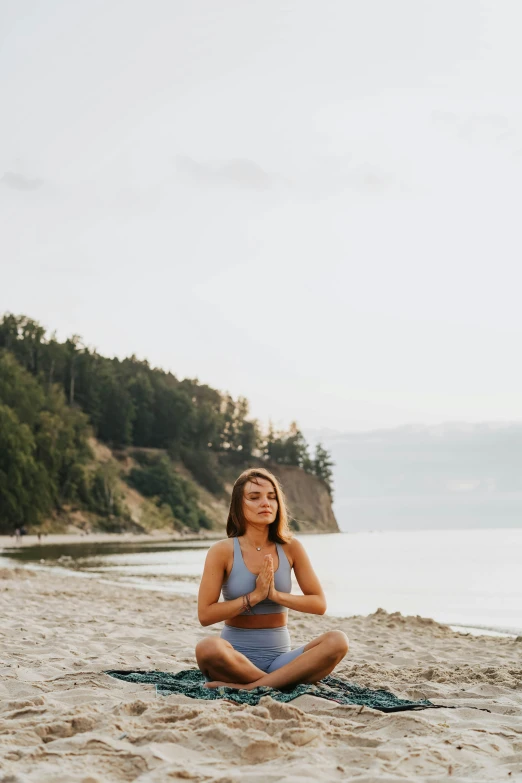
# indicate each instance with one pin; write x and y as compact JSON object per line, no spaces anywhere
{"x":55,"y":395}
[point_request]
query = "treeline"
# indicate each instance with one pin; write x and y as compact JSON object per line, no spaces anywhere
{"x":52,"y":394}
{"x":43,"y":451}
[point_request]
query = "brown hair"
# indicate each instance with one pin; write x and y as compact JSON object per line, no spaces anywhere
{"x":278,"y":530}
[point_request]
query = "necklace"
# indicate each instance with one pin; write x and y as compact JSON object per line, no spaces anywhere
{"x":259,"y":548}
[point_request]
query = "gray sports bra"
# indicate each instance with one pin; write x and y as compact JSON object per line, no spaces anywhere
{"x":242,"y":581}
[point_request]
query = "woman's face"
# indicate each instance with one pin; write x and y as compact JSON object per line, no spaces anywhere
{"x":260,"y":502}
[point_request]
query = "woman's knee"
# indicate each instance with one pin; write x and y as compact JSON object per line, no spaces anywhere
{"x":211,"y":648}
{"x":336,"y":643}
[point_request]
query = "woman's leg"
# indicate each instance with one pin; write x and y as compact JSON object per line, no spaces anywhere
{"x":284,"y":658}
{"x":218,"y":660}
{"x":319,"y":658}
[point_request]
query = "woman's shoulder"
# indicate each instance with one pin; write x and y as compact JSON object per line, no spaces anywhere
{"x":223,"y":547}
{"x":293,"y":545}
{"x":292,"y":549}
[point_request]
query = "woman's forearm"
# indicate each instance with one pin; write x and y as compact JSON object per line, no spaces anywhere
{"x":313,"y":604}
{"x":225,"y":610}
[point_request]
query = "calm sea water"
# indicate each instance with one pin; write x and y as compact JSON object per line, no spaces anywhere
{"x":470,"y":578}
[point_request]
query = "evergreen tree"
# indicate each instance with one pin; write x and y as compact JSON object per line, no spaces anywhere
{"x":268,"y":443}
{"x":228,"y":411}
{"x":297,"y":448}
{"x":117,"y":410}
{"x":288,"y":448}
{"x":9,"y":332}
{"x":247,"y":439}
{"x":72,"y":347}
{"x":322,"y":466}
{"x":142,"y":395}
{"x":53,"y":361}
{"x":172,"y":410}
{"x":88,"y":375}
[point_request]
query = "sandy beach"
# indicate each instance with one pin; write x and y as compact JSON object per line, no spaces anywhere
{"x":63,"y":720}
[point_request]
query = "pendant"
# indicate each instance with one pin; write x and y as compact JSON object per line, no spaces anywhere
{"x":258,"y":548}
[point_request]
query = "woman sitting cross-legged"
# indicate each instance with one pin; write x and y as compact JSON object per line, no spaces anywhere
{"x":252,"y":567}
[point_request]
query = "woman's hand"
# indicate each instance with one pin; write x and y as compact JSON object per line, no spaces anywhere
{"x":264,"y":580}
{"x":272,"y":592}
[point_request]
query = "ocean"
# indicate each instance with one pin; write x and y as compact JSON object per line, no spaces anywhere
{"x":470,"y":579}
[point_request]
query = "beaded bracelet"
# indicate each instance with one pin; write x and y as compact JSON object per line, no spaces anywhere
{"x":247,"y":608}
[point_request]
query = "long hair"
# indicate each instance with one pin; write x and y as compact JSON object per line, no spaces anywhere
{"x":278,"y":530}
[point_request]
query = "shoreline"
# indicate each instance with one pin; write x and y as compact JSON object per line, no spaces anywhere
{"x":157,"y":536}
{"x":44,"y":555}
{"x":67,"y":720}
{"x":55,"y":539}
{"x":475,"y":630}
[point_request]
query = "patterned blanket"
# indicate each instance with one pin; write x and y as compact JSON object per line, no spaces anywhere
{"x":191,"y":683}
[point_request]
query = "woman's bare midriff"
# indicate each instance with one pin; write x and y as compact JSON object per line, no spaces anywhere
{"x":259,"y":621}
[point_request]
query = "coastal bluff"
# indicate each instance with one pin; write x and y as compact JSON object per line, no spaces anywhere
{"x":309,"y":502}
{"x":308,"y":498}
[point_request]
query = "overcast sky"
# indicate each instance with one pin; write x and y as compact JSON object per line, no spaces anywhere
{"x":315,"y":204}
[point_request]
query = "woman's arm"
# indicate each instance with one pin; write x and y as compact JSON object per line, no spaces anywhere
{"x":210,"y":609}
{"x":312,"y":600}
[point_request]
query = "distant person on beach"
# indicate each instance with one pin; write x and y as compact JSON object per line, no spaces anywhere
{"x":252,"y":568}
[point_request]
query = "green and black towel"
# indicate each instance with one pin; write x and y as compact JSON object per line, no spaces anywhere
{"x":191,"y":683}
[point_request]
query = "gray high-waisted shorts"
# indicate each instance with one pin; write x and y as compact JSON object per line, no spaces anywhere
{"x":267,"y":648}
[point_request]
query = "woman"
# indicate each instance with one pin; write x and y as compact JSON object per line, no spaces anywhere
{"x":252,"y":567}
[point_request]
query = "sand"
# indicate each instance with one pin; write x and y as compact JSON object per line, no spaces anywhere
{"x":62,"y":720}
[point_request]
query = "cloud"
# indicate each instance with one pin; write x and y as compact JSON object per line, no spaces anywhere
{"x":481,"y":127}
{"x":18,"y":182}
{"x":242,"y":173}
